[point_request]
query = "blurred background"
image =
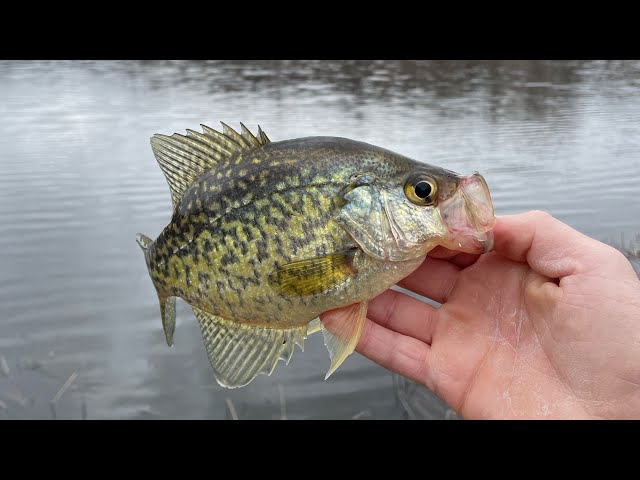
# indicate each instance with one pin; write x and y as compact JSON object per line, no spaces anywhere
{"x":80,"y":331}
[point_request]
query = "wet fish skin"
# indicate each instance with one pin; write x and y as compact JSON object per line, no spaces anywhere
{"x":228,"y":234}
{"x":267,"y":236}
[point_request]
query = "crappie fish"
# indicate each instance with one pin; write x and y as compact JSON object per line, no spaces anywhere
{"x":265,"y":236}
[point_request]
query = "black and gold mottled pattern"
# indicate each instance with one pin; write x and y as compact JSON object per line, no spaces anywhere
{"x":259,"y":209}
{"x":266,"y":236}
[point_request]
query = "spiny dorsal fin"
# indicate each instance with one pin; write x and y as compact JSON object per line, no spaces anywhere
{"x":248,"y":136}
{"x":263,"y":136}
{"x":183,"y":158}
{"x":238,"y":352}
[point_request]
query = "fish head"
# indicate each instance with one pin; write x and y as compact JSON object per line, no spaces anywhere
{"x":415,"y":210}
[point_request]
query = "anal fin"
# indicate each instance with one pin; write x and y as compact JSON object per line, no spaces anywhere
{"x":238,"y":353}
{"x":342,"y":331}
{"x":314,"y":326}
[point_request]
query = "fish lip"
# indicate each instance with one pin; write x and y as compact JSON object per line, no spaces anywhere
{"x":469,"y":216}
{"x":478,"y":203}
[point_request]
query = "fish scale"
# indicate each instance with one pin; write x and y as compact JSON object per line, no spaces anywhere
{"x":266,"y":235}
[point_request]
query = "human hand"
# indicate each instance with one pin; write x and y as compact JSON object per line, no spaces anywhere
{"x":545,"y":326}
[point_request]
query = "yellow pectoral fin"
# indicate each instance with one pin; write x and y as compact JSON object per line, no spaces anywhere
{"x":315,"y":275}
{"x":342,"y":331}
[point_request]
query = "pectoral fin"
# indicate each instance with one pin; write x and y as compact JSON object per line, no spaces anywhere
{"x":314,"y":275}
{"x":342,"y":331}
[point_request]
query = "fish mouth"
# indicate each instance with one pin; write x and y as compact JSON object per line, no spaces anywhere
{"x":469,"y":216}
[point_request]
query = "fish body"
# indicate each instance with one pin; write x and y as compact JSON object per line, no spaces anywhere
{"x":266,"y":235}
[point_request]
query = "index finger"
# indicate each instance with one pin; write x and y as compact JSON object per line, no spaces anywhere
{"x":549,"y":246}
{"x":460,"y":259}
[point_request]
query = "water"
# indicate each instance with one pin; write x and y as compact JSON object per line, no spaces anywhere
{"x":78,"y":181}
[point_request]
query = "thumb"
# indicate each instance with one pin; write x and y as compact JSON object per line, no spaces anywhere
{"x":553,"y":248}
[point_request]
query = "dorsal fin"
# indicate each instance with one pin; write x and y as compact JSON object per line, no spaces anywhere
{"x":184,"y":158}
{"x":263,"y":136}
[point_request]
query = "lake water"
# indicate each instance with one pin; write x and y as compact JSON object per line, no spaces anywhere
{"x":78,"y":180}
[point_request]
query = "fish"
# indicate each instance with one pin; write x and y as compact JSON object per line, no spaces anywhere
{"x":265,"y":236}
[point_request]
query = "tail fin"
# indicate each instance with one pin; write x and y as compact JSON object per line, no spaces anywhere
{"x":167,"y":304}
{"x":144,"y":242}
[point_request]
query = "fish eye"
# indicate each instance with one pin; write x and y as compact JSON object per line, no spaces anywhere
{"x":420,"y":190}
